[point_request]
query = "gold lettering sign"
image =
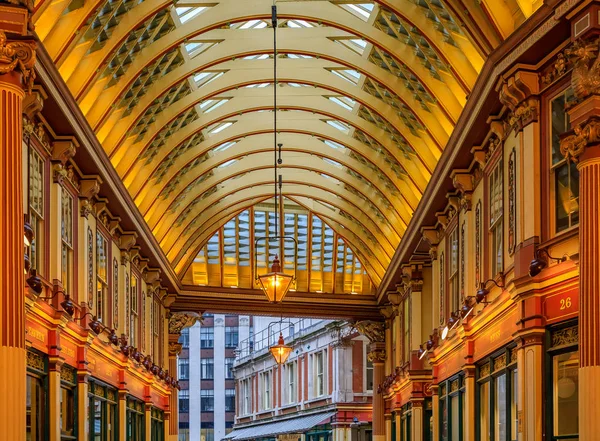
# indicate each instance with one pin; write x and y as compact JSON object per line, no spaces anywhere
{"x":35,"y":333}
{"x":495,"y":336}
{"x":70,"y":352}
{"x":289,"y":437}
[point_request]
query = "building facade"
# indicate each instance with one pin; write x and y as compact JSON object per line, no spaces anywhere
{"x":321,"y":393}
{"x":207,"y":395}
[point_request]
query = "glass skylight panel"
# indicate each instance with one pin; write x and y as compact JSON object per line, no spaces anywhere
{"x":219,"y":127}
{"x":252,"y":24}
{"x":228,"y":163}
{"x":208,"y":106}
{"x":332,"y":162}
{"x":349,"y":75}
{"x":224,"y":146}
{"x":187,"y":13}
{"x":345,"y":102}
{"x":361,"y":10}
{"x":342,"y":127}
{"x":299,"y":56}
{"x":299,"y":24}
{"x":257,"y":57}
{"x":203,"y":78}
{"x":334,"y":145}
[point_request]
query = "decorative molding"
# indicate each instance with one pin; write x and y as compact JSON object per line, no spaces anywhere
{"x":181,"y":320}
{"x":376,"y":356}
{"x":484,"y":371}
{"x":18,"y":55}
{"x":512,"y":201}
{"x":462,"y":253}
{"x":519,"y":94}
{"x":88,"y":189}
{"x":374,"y":331}
{"x":90,"y":256}
{"x":500,"y":362}
{"x":127,"y":294}
{"x":35,"y":361}
{"x":584,"y":134}
{"x":565,"y":337}
{"x":33,"y":103}
{"x":442,"y":290}
{"x":431,"y":236}
{"x":562,"y":64}
{"x":143,"y":334}
{"x":116,"y":292}
{"x":175,"y":349}
{"x":478,"y":223}
{"x":68,"y":374}
{"x":585,"y":79}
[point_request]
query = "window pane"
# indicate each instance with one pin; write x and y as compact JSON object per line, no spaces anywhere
{"x":566,"y":394}
{"x":500,"y":407}
{"x":444,"y":410}
{"x":566,"y":179}
{"x":514,"y":400}
{"x":454,"y":402}
{"x":36,"y":408}
{"x":484,"y":411}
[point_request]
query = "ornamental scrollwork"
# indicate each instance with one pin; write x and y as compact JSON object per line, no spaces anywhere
{"x":374,"y":331}
{"x":90,"y":256}
{"x":175,"y":348}
{"x":25,"y":3}
{"x":376,"y":356}
{"x":584,"y":134}
{"x":512,"y":202}
{"x":564,"y":337}
{"x":585,"y":79}
{"x":181,"y":320}
{"x":18,"y":55}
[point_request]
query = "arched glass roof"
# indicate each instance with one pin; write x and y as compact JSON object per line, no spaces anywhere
{"x":180,"y":96}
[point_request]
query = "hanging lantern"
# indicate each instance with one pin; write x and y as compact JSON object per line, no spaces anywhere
{"x":275,"y":284}
{"x":280,"y":351}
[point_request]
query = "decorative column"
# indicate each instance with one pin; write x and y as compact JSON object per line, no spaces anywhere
{"x":582,"y":146}
{"x":177,"y":322}
{"x":17,"y":59}
{"x":375,"y":332}
{"x":469,"y":397}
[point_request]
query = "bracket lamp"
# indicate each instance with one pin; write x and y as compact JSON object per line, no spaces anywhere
{"x":28,"y":233}
{"x":275,"y":284}
{"x":467,"y":307}
{"x":538,"y":263}
{"x":34,"y":282}
{"x":422,"y":352}
{"x":482,"y":292}
{"x":280,"y":351}
{"x":450,"y":325}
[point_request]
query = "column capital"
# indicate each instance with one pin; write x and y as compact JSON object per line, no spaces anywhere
{"x":519,"y":94}
{"x":584,"y":135}
{"x":174,"y":349}
{"x":18,"y":56}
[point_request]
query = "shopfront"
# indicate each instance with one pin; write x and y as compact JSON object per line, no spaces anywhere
{"x":103,"y":415}
{"x":135,"y":419}
{"x":37,"y":396}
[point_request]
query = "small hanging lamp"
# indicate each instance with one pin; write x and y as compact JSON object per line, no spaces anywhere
{"x":280,"y":351}
{"x":276,"y":283}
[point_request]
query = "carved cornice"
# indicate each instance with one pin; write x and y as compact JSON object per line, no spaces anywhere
{"x":374,"y":331}
{"x":33,"y":103}
{"x":519,"y":94}
{"x":431,"y":236}
{"x":18,"y":55}
{"x":377,"y":356}
{"x":181,"y":320}
{"x":585,"y":134}
{"x":88,"y":189}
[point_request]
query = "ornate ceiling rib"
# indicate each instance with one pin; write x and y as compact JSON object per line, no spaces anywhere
{"x":180,"y":96}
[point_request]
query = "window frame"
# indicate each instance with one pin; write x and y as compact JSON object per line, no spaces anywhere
{"x":67,"y":243}
{"x":495,"y":173}
{"x":205,"y":363}
{"x":107,"y":397}
{"x":509,"y":371}
{"x":453,"y":243}
{"x":210,"y":330}
{"x":207,"y":394}
{"x":135,"y":289}
{"x":446,"y":393}
{"x":36,"y":211}
{"x":102,"y":285}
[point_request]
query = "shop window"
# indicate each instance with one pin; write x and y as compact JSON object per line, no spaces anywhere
{"x":229,"y":400}
{"x":452,"y":397}
{"x":67,"y":241}
{"x":134,"y":301}
{"x":496,"y":219}
{"x":231,"y":336}
{"x":68,"y":410}
{"x":563,"y":384}
{"x":135,"y":420}
{"x":103,"y":413}
{"x":405,"y":420}
{"x":157,"y":425}
{"x":36,"y":209}
{"x":36,"y":409}
{"x":497,"y":397}
{"x":207,"y":369}
{"x":564,"y":176}
{"x":102,"y":310}
{"x":229,"y":368}
{"x":207,"y":400}
{"x":207,"y":337}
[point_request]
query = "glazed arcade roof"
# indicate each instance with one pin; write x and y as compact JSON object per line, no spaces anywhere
{"x":180,"y":96}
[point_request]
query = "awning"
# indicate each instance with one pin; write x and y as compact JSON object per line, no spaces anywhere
{"x":291,"y":425}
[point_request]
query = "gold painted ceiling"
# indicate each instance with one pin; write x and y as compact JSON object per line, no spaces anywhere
{"x":180,"y":95}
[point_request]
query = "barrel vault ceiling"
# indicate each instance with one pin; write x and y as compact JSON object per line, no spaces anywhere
{"x":180,"y":95}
